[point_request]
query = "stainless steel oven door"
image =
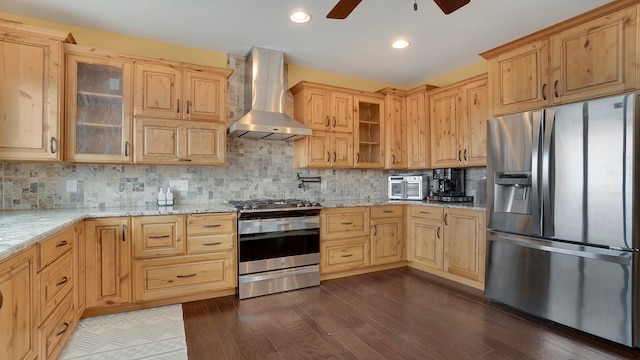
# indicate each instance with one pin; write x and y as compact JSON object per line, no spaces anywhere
{"x":278,"y":250}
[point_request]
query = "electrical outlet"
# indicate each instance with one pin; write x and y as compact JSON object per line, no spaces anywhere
{"x":179,"y":185}
{"x":323,"y":185}
{"x":72,"y":186}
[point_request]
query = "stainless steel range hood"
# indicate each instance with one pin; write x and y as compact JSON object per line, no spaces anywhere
{"x":264,"y":97}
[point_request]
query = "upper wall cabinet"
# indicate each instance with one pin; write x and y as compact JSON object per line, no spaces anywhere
{"x":458,"y":124}
{"x":164,"y":91}
{"x":585,"y":57}
{"x":395,"y":104}
{"x":98,"y":113}
{"x":31,"y":84}
{"x":369,"y":131}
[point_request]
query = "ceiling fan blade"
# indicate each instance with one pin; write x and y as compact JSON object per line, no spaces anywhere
{"x":449,"y":6}
{"x":342,"y":9}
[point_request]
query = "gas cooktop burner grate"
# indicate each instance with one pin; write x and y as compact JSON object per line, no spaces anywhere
{"x":273,"y":204}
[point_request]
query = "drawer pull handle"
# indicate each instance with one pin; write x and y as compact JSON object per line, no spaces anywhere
{"x":124,"y":232}
{"x":63,"y":281}
{"x":425,"y":212}
{"x":375,"y":230}
{"x":346,"y":255}
{"x":185,"y":276}
{"x":62,"y":243}
{"x":438,"y":233}
{"x":181,"y":159}
{"x":66,"y":327}
{"x":387,"y":211}
{"x":211,"y":226}
{"x":159,"y":236}
{"x":212,"y":244}
{"x":347,"y":223}
{"x":1,"y":299}
{"x":445,"y":218}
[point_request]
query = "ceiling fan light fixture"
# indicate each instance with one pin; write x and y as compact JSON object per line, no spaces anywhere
{"x":400,"y":44}
{"x":300,"y":16}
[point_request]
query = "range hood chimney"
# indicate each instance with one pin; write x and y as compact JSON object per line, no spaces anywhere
{"x":264,"y":78}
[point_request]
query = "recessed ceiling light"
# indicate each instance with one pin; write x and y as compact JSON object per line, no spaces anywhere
{"x":300,"y":16}
{"x":400,"y":44}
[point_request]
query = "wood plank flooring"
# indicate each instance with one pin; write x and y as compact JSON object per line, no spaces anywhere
{"x":394,"y":314}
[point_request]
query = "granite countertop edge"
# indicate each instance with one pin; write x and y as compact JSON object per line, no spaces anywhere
{"x":21,"y":229}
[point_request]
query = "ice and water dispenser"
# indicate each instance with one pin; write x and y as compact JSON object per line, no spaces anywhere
{"x":512,"y":192}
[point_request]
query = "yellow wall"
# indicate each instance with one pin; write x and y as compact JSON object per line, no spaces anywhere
{"x":130,"y":44}
{"x":146,"y":47}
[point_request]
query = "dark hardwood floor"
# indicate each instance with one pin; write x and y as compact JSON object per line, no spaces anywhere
{"x":393,"y":314}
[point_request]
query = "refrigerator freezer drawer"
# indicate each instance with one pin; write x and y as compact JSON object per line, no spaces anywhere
{"x":589,"y":289}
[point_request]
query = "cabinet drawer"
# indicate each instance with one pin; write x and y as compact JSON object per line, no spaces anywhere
{"x":54,"y":247}
{"x":56,"y":330}
{"x":210,"y":243}
{"x":56,"y":281}
{"x":426,"y":212}
{"x":155,"y":236}
{"x":211,"y":224}
{"x":342,"y":255}
{"x":183,"y":275}
{"x":386,"y":211}
{"x":344,"y":223}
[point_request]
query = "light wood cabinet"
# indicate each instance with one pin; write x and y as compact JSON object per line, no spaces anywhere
{"x":108,"y":259}
{"x":179,"y":142}
{"x":344,"y":239}
{"x":395,"y":104}
{"x":387,"y":234}
{"x":448,"y":242}
{"x":329,"y":112}
{"x":596,"y":58}
{"x":163,"y":91}
{"x":464,"y":243}
{"x":56,"y":289}
{"x":417,"y":130}
{"x":369,"y":131}
{"x":458,"y":124}
{"x":18,"y":306}
{"x":208,"y":233}
{"x":157,"y":236}
{"x":31,"y":83}
{"x":168,"y":272}
{"x":584,"y":57}
{"x":425,"y":228}
{"x":99,"y":93}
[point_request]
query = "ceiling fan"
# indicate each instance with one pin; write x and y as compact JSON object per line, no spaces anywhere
{"x":344,"y":7}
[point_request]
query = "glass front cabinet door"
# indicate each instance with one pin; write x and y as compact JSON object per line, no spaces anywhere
{"x":98,"y":112}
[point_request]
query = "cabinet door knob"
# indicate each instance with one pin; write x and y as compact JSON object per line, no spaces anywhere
{"x":124,"y":232}
{"x":544,"y":91}
{"x":465,"y":155}
{"x":375,"y":230}
{"x":328,"y":156}
{"x":335,"y":156}
{"x":555,"y":88}
{"x":438,"y":232}
{"x":460,"y":155}
{"x":393,"y":159}
{"x":126,"y":148}
{"x":178,"y":106}
{"x":446,"y":215}
{"x":188,"y":106}
{"x":328,"y":121}
{"x":357,"y":158}
{"x":1,"y":299}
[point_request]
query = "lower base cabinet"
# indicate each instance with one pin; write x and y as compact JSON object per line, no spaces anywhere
{"x":182,"y":275}
{"x":18,"y":306}
{"x":448,"y":242}
{"x":344,"y":255}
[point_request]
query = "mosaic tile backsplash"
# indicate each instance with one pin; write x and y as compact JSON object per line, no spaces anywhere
{"x":254,"y":169}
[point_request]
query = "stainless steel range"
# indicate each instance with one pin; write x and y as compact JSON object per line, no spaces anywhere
{"x":278,"y":246}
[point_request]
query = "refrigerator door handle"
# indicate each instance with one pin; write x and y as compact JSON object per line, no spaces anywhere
{"x":536,"y":221}
{"x":547,"y":177}
{"x":608,"y":255}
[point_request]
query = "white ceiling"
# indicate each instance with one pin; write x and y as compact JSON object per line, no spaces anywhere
{"x":357,"y":46}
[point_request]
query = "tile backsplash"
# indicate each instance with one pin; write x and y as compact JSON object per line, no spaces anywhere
{"x":254,"y":169}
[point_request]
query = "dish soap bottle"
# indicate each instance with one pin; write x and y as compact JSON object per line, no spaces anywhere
{"x":162,"y":198}
{"x":169,"y":196}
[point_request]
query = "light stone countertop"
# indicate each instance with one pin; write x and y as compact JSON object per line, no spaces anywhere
{"x":20,"y":229}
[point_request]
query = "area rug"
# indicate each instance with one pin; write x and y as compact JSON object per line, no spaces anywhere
{"x":156,"y":333}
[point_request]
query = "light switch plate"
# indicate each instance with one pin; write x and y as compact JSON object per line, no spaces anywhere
{"x":72,"y":185}
{"x":179,"y":185}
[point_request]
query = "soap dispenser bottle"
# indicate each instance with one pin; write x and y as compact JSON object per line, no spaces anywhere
{"x":169,"y":196}
{"x":162,"y":198}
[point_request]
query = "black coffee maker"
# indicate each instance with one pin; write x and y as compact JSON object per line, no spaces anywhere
{"x":450,"y":186}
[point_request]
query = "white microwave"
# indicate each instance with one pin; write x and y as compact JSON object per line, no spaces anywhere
{"x":408,"y":187}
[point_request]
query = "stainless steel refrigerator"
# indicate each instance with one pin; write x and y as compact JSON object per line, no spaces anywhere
{"x":562,"y":209}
